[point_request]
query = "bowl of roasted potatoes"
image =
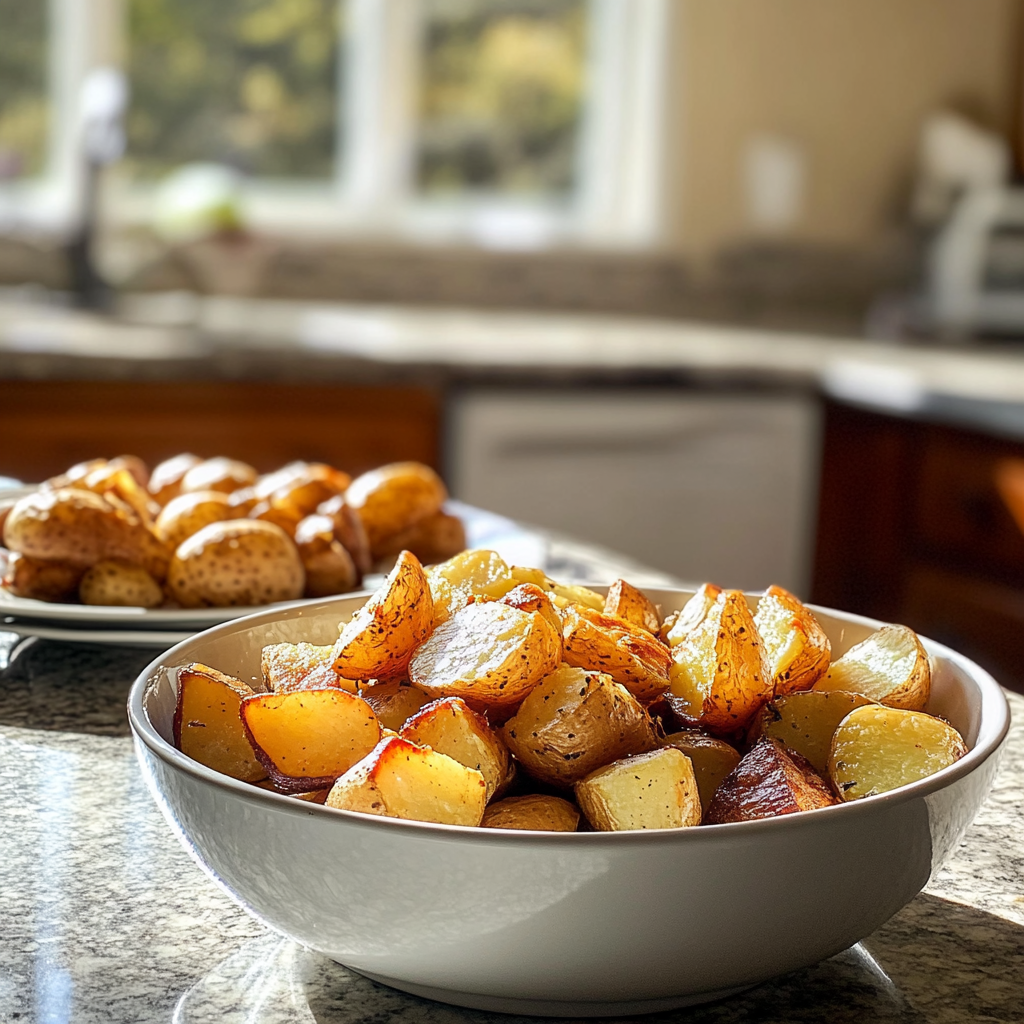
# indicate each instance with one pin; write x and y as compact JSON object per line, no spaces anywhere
{"x":502,"y":791}
{"x":196,"y":541}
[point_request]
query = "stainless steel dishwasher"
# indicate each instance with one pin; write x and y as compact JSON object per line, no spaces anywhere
{"x":706,"y":486}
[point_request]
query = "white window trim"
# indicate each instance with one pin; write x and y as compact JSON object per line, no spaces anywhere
{"x":618,"y":203}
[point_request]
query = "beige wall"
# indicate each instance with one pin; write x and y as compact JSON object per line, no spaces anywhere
{"x":848,"y":80}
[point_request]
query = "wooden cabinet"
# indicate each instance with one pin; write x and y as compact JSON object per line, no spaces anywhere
{"x":912,"y":529}
{"x":46,"y":426}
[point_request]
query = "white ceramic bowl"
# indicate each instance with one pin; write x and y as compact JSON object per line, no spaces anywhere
{"x":567,"y":924}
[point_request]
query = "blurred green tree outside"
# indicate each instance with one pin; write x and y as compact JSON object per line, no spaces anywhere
{"x":249,"y":83}
{"x":501,"y":95}
{"x":24,"y":102}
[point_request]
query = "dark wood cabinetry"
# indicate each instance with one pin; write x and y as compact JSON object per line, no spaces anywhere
{"x":46,"y":426}
{"x":912,"y":529}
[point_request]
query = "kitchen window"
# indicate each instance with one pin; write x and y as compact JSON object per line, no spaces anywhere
{"x":511,"y":123}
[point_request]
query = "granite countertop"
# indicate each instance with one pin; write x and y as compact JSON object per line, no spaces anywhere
{"x":105,"y":918}
{"x":192,"y":337}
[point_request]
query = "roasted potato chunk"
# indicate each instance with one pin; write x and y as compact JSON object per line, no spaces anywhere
{"x":712,"y":760}
{"x":653,"y":790}
{"x":115,"y":481}
{"x":677,"y":627}
{"x":629,"y":654}
{"x":165,"y":480}
{"x":489,"y":654}
{"x":535,"y":812}
{"x":401,"y":780}
{"x":189,"y":513}
{"x":624,"y":601}
{"x":236,"y":564}
{"x":288,"y":667}
{"x":876,"y":749}
{"x":81,"y":528}
{"x":41,"y":579}
{"x":380,"y":639}
{"x":219,"y":474}
{"x":306,"y":739}
{"x":311,"y":487}
{"x":806,"y":722}
{"x":287,"y":518}
{"x":393,"y":498}
{"x":207,"y":726}
{"x":528,"y":597}
{"x":769,"y":781}
{"x":450,"y":726}
{"x":329,"y":566}
{"x":349,"y":531}
{"x":796,"y":649}
{"x":890,"y":667}
{"x":718,"y":678}
{"x":394,"y":702}
{"x":574,"y":722}
{"x":121,"y":584}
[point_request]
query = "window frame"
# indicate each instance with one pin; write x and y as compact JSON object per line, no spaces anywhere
{"x":618,"y":201}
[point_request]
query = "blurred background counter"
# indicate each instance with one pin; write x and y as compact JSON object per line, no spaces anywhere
{"x":877,"y":478}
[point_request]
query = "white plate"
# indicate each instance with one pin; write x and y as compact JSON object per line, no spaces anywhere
{"x":120,"y":637}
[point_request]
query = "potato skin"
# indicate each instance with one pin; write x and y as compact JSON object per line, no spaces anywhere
{"x":349,"y":530}
{"x":434,"y":539}
{"x":797,"y":651}
{"x":624,"y":601}
{"x":394,"y":497}
{"x":41,"y":580}
{"x":329,"y":566}
{"x":380,"y":639}
{"x":189,"y":513}
{"x":769,"y":781}
{"x":535,"y":812}
{"x":219,"y":474}
{"x":165,"y":480}
{"x":574,"y":722}
{"x":81,"y":528}
{"x":237,"y":563}
{"x":120,"y":584}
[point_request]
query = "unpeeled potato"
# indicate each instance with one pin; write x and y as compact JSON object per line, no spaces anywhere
{"x":40,"y":579}
{"x":329,"y":566}
{"x":120,"y":584}
{"x":189,"y":513}
{"x":165,"y":480}
{"x":394,"y":497}
{"x":219,"y":474}
{"x":236,"y":563}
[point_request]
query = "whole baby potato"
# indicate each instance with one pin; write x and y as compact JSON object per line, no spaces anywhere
{"x":329,"y":567}
{"x":111,"y":582}
{"x":393,"y":498}
{"x":219,"y":474}
{"x":189,"y":513}
{"x":38,"y":579}
{"x":238,"y":563}
{"x":165,"y":480}
{"x":316,"y":484}
{"x":81,"y":528}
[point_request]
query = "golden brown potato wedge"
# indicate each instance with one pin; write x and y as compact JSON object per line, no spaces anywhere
{"x":877,"y":749}
{"x":528,"y":597}
{"x":207,"y":726}
{"x":677,"y":627}
{"x":236,"y":564}
{"x":329,"y":566}
{"x":712,"y":760}
{"x":452,"y":727}
{"x":189,"y":513}
{"x":349,"y":531}
{"x":401,"y":780}
{"x":489,"y":654}
{"x":394,"y":702}
{"x":305,"y":739}
{"x":165,"y":480}
{"x":535,"y":812}
{"x":718,"y":678}
{"x":393,"y":498}
{"x":796,"y":650}
{"x":624,"y":601}
{"x":574,"y":722}
{"x":219,"y":474}
{"x":890,"y":667}
{"x":769,"y":781}
{"x":629,"y":654}
{"x":476,"y":573}
{"x":381,"y":638}
{"x":41,"y":579}
{"x":653,"y":790}
{"x":806,"y":722}
{"x":122,"y":584}
{"x":302,"y":666}
{"x":81,"y":528}
{"x":433,"y":539}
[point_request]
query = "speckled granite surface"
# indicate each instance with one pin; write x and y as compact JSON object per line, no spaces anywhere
{"x":105,"y":918}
